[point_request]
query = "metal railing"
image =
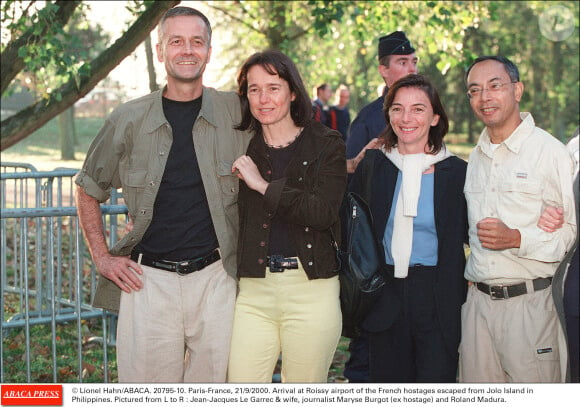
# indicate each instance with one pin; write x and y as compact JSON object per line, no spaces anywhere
{"x":48,"y":280}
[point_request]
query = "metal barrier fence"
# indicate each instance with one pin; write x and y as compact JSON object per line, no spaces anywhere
{"x":50,"y":331}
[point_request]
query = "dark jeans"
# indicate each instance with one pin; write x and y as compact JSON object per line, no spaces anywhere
{"x":413,"y":349}
{"x":357,"y":366}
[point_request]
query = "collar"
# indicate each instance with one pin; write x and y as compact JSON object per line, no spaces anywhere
{"x":515,"y":141}
{"x":311,"y":140}
{"x":157,"y":118}
{"x":208,"y":110}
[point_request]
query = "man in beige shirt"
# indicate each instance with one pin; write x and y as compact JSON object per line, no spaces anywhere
{"x":510,"y":330}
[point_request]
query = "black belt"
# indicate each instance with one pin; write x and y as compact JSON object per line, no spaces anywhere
{"x":180,"y":267}
{"x":279,"y":263}
{"x":501,"y":292}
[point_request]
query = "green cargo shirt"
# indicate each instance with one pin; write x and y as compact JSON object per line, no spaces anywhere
{"x":130,"y":152}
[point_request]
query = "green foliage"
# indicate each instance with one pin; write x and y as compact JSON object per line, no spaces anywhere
{"x":336,"y":42}
{"x":548,"y":69}
{"x":49,"y":61}
{"x":340,"y":37}
{"x":329,"y":11}
{"x":65,"y":51}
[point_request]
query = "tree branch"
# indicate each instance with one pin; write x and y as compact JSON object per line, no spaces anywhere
{"x":26,"y":121}
{"x":300,"y":33}
{"x":238,"y":19}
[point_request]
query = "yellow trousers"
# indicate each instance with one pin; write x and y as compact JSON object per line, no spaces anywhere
{"x":289,"y":314}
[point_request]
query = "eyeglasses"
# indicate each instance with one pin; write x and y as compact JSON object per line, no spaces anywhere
{"x":475,"y":91}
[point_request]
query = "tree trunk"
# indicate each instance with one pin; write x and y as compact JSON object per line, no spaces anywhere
{"x":25,"y":122}
{"x":470,"y":131}
{"x":555,"y":116}
{"x":474,"y":41}
{"x":275,"y":31}
{"x":150,"y":65}
{"x":75,"y":137}
{"x":66,"y":134}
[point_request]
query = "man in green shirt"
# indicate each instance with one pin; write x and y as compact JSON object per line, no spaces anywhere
{"x":172,"y":277}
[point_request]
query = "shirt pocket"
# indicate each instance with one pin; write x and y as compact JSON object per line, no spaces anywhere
{"x":521,"y":202}
{"x":134,"y":182}
{"x":135,"y":178}
{"x":229,"y":182}
{"x":473,"y":189}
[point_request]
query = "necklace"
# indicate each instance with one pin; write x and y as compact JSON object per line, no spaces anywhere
{"x":286,"y":144}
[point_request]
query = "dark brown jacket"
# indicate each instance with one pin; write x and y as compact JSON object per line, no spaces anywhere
{"x":308,"y":198}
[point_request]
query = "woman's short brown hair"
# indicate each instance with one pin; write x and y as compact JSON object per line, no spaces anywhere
{"x":436,"y":133}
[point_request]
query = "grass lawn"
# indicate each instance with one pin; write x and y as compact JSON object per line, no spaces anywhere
{"x":42,"y":148}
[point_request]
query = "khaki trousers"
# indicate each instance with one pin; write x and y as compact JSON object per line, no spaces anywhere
{"x":285,"y":312}
{"x":176,"y":329}
{"x":516,"y":340}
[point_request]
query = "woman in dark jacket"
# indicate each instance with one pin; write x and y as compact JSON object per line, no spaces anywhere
{"x":294,"y":177}
{"x":419,"y":213}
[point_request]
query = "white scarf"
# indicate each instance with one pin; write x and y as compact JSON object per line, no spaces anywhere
{"x":412,"y":167}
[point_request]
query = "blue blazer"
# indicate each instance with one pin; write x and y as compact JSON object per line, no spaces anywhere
{"x":450,"y":210}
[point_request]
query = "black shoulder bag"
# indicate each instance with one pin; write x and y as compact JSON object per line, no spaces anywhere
{"x":361,"y":271}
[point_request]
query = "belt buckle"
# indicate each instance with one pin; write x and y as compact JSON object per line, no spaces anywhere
{"x":180,"y":265}
{"x":276,"y":263}
{"x":287,"y":263}
{"x":498,"y":292}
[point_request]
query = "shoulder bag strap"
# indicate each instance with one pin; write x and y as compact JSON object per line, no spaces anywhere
{"x":367,"y":173}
